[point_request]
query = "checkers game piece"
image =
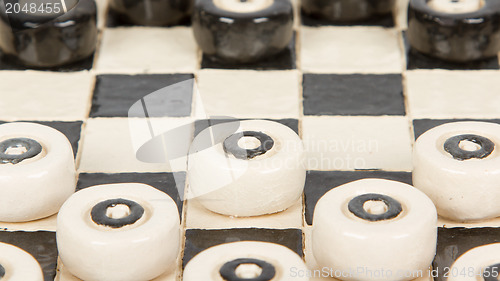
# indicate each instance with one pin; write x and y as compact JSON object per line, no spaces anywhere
{"x":48,"y":33}
{"x":37,"y":171}
{"x":374,"y":224}
{"x":455,"y":164}
{"x":118,"y":232}
{"x":458,"y":31}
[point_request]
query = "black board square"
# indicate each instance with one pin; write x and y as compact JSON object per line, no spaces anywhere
{"x":454,"y":242}
{"x":328,"y":94}
{"x":171,"y":183}
{"x":113,"y":19}
{"x":384,"y":21}
{"x":320,"y":182}
{"x":115,"y":94}
{"x":420,"y":126}
{"x":198,"y":240}
{"x":72,"y":130}
{"x":40,"y":244}
{"x":200,"y":125}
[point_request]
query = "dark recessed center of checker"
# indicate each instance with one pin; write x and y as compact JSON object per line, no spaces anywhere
{"x":356,"y":206}
{"x":16,"y":150}
{"x":2,"y":271}
{"x":452,"y":146}
{"x":231,"y":145}
{"x":100,"y":217}
{"x":228,"y":270}
{"x":492,"y":273}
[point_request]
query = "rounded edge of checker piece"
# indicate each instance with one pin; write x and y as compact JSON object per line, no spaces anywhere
{"x":245,"y":261}
{"x":152,"y":13}
{"x":140,"y":249}
{"x":457,"y":37}
{"x":462,"y":184}
{"x":36,"y":180}
{"x":344,"y":241}
{"x":477,"y":264}
{"x":40,"y":41}
{"x":346,"y":10}
{"x":268,"y":180}
{"x":18,"y":265}
{"x":228,"y":35}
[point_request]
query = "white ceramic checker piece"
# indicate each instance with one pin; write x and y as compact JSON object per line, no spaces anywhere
{"x":246,"y":260}
{"x":458,"y":166}
{"x":480,"y":263}
{"x":18,"y":265}
{"x":456,"y":7}
{"x":248,"y":6}
{"x":118,"y":232}
{"x":254,"y":168}
{"x":37,"y":171}
{"x":374,"y":229}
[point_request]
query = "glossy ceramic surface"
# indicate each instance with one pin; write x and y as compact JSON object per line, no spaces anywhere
{"x":457,"y":37}
{"x":242,"y":37}
{"x":36,"y":42}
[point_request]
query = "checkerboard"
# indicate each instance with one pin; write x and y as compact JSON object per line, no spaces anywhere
{"x":358,"y":96}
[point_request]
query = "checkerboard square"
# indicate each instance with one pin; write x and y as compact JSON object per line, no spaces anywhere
{"x":360,"y":49}
{"x":172,"y":184}
{"x":115,"y":94}
{"x":40,"y":244}
{"x":248,"y":94}
{"x":401,"y":14}
{"x":357,"y":143}
{"x":199,"y":217}
{"x":198,"y":240}
{"x":326,"y":94}
{"x":421,"y":126}
{"x":454,"y":242}
{"x":441,"y":94}
{"x":72,"y":131}
{"x":384,"y":20}
{"x":320,"y":182}
{"x":110,"y":144}
{"x":200,"y":125}
{"x":136,"y":50}
{"x":45,"y":96}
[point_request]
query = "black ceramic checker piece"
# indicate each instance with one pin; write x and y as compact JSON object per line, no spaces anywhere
{"x":452,"y":146}
{"x":343,"y":11}
{"x":356,"y":207}
{"x":47,"y":36}
{"x":99,"y":216}
{"x":228,"y":270}
{"x":455,"y":37}
{"x":33,"y":148}
{"x":241,"y":38}
{"x":151,"y":12}
{"x":491,"y":273}
{"x":231,"y":146}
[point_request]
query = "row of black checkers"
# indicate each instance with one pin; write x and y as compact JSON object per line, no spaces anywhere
{"x":228,"y":35}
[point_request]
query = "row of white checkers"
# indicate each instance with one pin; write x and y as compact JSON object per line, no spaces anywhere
{"x":242,"y":169}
